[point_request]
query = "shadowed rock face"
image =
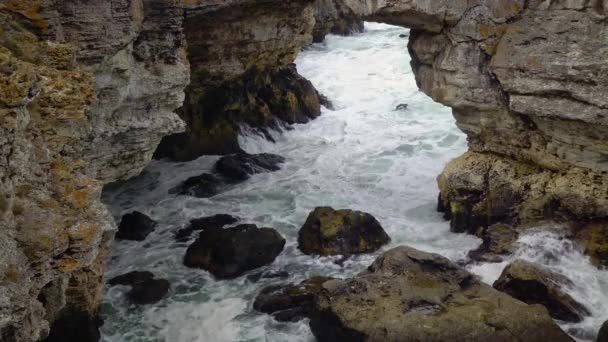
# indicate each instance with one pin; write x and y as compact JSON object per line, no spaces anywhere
{"x":410,"y":295}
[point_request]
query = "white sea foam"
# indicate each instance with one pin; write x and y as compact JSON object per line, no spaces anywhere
{"x":364,"y":155}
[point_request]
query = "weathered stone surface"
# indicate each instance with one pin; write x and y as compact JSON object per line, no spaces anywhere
{"x":290,"y":303}
{"x":335,"y":232}
{"x":240,"y":167}
{"x":135,"y":226}
{"x":337,"y":17}
{"x":409,"y":295}
{"x":532,"y":284}
{"x":228,"y":253}
{"x":498,"y":241}
{"x":593,"y":238}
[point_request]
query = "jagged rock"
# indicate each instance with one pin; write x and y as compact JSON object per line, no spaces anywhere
{"x":498,"y":241}
{"x":267,"y":275}
{"x":337,"y":17}
{"x":219,"y":221}
{"x":410,"y":295}
{"x":602,"y":335}
{"x":290,"y":303}
{"x":135,"y":226}
{"x":239,"y":167}
{"x":145,"y":289}
{"x":334,"y":232}
{"x":149,"y":291}
{"x":532,"y":284}
{"x":202,"y":186}
{"x":228,"y":253}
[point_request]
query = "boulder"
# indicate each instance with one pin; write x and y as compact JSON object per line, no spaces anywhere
{"x":401,"y":106}
{"x":219,"y":220}
{"x":289,"y":303}
{"x":602,"y":335}
{"x":533,"y":284}
{"x":145,"y":289}
{"x":410,"y":295}
{"x":135,"y":226}
{"x":335,"y":232}
{"x":228,"y":253}
{"x":202,"y":186}
{"x":498,"y":241}
{"x":239,"y":167}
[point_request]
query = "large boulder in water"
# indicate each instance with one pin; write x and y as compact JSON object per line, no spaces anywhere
{"x":239,"y":167}
{"x":145,"y":289}
{"x":135,"y":226}
{"x":201,"y":223}
{"x":228,"y":253}
{"x":409,"y":295}
{"x":533,"y":284}
{"x":498,"y":242}
{"x":335,"y":232}
{"x":602,"y":335}
{"x":290,"y":303}
{"x":202,"y":186}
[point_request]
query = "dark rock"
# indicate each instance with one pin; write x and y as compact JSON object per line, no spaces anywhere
{"x":533,"y":284}
{"x":410,"y":295}
{"x":74,"y":326}
{"x":239,"y":167}
{"x":267,"y":275}
{"x":289,"y":303}
{"x":593,"y":238}
{"x":149,"y":291}
{"x":402,"y":106}
{"x":340,"y":232}
{"x":131,"y":278}
{"x":135,"y":226}
{"x":403,"y":35}
{"x":202,"y":186}
{"x":498,"y":241}
{"x":326,"y":102}
{"x":219,"y":221}
{"x":602,"y":335}
{"x":228,"y":253}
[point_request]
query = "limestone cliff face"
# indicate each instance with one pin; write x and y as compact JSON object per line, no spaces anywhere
{"x":527,"y":83}
{"x":337,"y":17}
{"x":87,"y":90}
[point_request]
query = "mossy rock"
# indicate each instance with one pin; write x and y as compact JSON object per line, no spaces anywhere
{"x":340,"y":232}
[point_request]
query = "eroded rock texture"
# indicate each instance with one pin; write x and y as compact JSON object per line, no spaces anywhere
{"x":526,"y":81}
{"x":337,"y":17}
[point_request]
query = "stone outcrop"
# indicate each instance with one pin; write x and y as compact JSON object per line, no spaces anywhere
{"x":337,"y":17}
{"x":409,"y":295}
{"x":533,"y":284}
{"x":340,"y":232}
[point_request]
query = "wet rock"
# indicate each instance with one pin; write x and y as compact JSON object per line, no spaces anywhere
{"x":410,"y":295}
{"x":337,"y":17}
{"x":202,"y":186}
{"x":402,"y":106}
{"x":135,"y":226}
{"x":145,"y":289}
{"x":593,"y":237}
{"x":131,"y":278}
{"x":498,"y":241}
{"x":219,"y":221}
{"x":149,"y":291}
{"x":602,"y":335}
{"x":290,"y":303}
{"x":403,"y":35}
{"x":533,"y":284}
{"x":75,"y":326}
{"x":228,"y":253}
{"x":326,"y":102}
{"x":267,"y":275}
{"x":334,"y":232}
{"x":239,"y":167}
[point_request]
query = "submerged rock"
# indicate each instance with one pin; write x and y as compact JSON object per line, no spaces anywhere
{"x":145,"y":289}
{"x":267,"y":275}
{"x":239,"y":167}
{"x":334,"y":232}
{"x":402,"y":106}
{"x":532,"y":284}
{"x":219,"y":221}
{"x":135,"y":226}
{"x":290,"y":303}
{"x":410,"y":295}
{"x":228,"y":253}
{"x":202,"y":186}
{"x":498,"y":241}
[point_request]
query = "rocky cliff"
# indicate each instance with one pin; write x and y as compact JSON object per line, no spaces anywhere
{"x":526,"y":81}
